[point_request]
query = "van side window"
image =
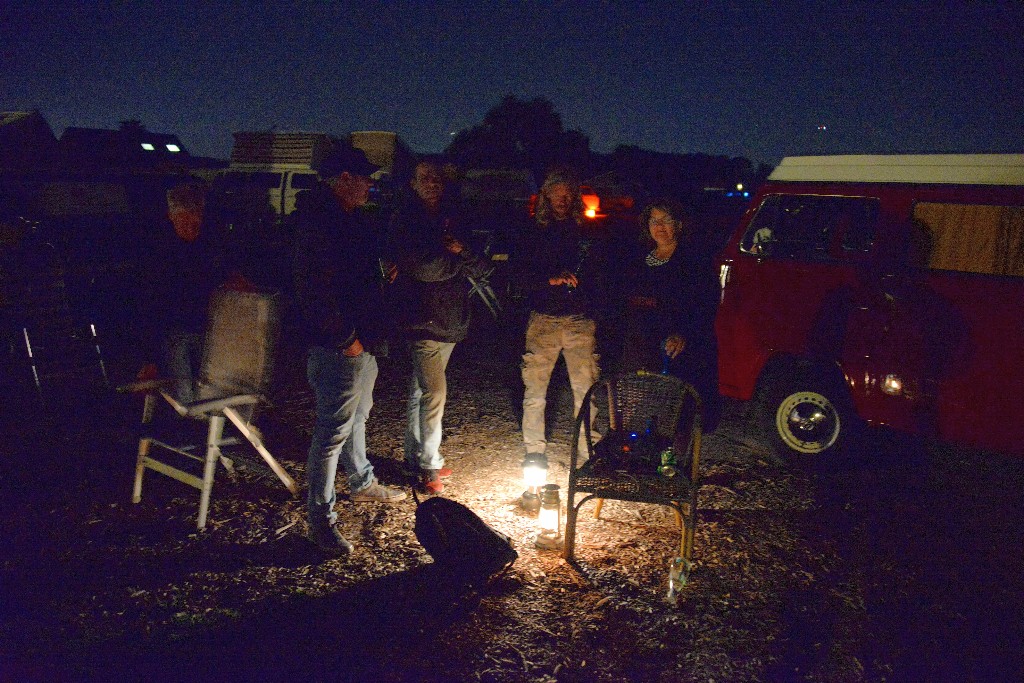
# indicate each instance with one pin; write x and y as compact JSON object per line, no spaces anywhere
{"x":973,"y":238}
{"x":805,"y":227}
{"x":303,"y":181}
{"x":266,"y":179}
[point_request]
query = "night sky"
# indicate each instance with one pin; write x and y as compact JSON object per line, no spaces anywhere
{"x":739,"y":79}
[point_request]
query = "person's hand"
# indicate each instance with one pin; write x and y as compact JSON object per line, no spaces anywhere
{"x":674,"y":345}
{"x":563,"y":278}
{"x":237,"y":282}
{"x":452,"y":244}
{"x":353,"y":349}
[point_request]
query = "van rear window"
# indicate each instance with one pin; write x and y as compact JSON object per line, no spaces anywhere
{"x":972,"y":238}
{"x":811,"y":227}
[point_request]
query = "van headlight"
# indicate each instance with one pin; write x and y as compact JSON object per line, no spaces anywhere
{"x":892,"y":385}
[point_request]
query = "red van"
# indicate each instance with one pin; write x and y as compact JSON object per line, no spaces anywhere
{"x":879,"y":290}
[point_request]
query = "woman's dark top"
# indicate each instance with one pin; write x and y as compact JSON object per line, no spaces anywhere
{"x":677,"y":296}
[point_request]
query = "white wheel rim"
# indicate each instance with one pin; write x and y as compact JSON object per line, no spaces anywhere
{"x":807,"y":422}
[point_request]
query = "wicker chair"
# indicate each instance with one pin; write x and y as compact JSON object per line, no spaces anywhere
{"x":647,"y":413}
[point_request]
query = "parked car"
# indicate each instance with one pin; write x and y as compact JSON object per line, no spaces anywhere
{"x":879,"y":290}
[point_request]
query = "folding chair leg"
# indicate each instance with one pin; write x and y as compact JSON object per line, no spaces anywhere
{"x":275,"y":466}
{"x":213,"y":436}
{"x":140,"y":469}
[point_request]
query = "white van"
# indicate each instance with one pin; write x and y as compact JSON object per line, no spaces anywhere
{"x":281,"y":164}
{"x":281,"y":187}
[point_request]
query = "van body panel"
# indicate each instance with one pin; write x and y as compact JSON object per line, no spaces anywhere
{"x":929,"y":338}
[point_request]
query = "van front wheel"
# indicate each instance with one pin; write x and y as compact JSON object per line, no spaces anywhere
{"x":807,"y":418}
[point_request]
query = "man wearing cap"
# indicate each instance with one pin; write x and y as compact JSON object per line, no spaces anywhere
{"x":336,"y":273}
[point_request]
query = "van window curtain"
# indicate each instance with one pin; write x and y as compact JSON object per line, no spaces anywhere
{"x":974,"y":238}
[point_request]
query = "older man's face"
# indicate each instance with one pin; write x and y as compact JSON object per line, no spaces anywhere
{"x":428,"y":184}
{"x":352,"y":190}
{"x":186,"y":222}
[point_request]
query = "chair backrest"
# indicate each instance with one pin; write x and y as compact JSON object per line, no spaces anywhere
{"x":241,"y":337}
{"x":635,"y":399}
{"x":676,"y":408}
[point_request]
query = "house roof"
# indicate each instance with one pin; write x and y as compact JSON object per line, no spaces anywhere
{"x":130,"y":145}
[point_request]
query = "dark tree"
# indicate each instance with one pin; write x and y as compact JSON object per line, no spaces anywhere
{"x":520,"y":134}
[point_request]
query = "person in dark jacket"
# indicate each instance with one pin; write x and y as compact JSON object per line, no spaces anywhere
{"x":187,"y":261}
{"x":563,"y":274}
{"x":427,"y":243}
{"x":337,"y":288}
{"x":671,"y":297}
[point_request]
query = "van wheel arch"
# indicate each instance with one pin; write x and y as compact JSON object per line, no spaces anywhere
{"x":803,"y":411}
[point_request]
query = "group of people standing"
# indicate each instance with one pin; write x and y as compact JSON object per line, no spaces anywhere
{"x":349,"y":285}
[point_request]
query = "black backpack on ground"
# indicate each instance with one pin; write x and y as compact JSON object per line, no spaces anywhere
{"x":462,"y":545}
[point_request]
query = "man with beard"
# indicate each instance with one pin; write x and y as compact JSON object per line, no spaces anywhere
{"x":563,"y":274}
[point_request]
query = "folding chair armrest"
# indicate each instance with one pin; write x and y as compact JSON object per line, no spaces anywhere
{"x":148,"y":386}
{"x":217,"y":404}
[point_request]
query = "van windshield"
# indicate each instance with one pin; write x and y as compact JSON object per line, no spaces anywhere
{"x":811,"y":227}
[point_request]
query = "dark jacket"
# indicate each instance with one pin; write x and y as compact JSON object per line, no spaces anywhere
{"x":337,"y":275}
{"x":182,"y":276}
{"x":177,"y":281}
{"x":546,"y":251}
{"x":685,"y":298}
{"x":431,"y":290}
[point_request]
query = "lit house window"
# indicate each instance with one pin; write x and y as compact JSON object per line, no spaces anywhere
{"x":173,"y":148}
{"x":148,"y":147}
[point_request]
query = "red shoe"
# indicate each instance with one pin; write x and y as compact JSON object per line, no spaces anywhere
{"x":431,"y":482}
{"x":412,"y":470}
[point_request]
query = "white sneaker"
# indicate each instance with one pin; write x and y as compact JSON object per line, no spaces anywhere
{"x":377,"y":493}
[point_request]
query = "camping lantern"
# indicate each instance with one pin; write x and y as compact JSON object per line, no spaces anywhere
{"x":549,"y":521}
{"x":535,"y":475}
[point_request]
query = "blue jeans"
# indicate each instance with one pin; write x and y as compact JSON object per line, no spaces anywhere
{"x":182,"y":356}
{"x":344,"y":397}
{"x":428,"y":390}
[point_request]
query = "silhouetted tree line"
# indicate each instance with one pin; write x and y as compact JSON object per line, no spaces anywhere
{"x":530,"y":135}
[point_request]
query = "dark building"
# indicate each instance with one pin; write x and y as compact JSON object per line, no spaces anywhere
{"x":26,"y":140}
{"x":131,"y":147}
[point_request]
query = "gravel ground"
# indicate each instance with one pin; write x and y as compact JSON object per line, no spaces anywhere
{"x":904,"y":567}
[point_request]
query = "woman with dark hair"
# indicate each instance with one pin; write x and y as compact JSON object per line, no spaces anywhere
{"x":668,"y":323}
